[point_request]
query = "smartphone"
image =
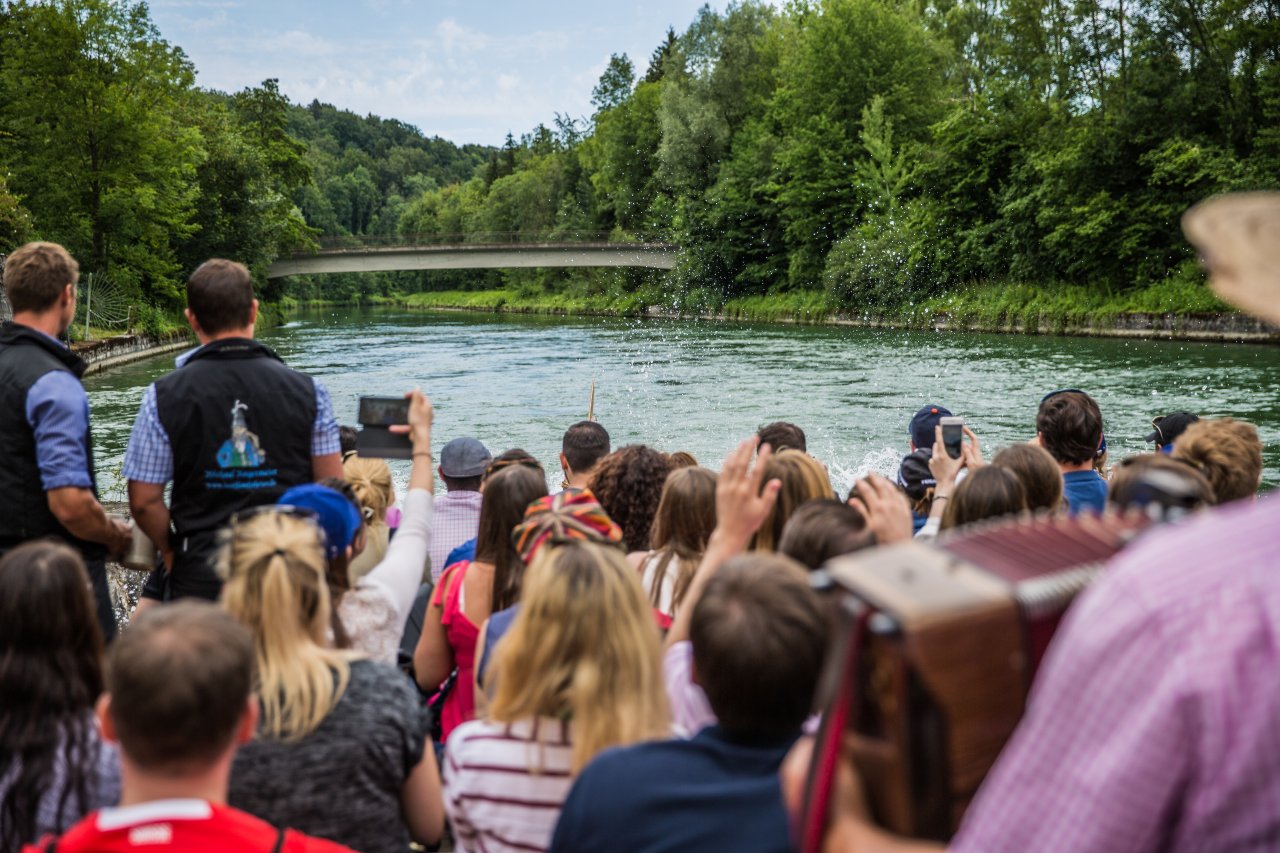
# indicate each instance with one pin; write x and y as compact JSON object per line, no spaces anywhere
{"x":376,"y":416}
{"x":383,"y":411}
{"x":952,"y":435}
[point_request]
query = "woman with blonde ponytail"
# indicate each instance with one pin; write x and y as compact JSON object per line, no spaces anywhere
{"x":342,"y":748}
{"x":371,"y":481}
{"x":579,"y":672}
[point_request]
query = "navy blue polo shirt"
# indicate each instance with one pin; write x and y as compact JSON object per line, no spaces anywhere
{"x":1085,"y":491}
{"x":712,"y":793}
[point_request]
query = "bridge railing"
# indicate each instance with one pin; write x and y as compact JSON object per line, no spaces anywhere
{"x":373,"y":241}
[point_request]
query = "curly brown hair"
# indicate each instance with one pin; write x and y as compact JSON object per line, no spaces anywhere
{"x":628,"y":484}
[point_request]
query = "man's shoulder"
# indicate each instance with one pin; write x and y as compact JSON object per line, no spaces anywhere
{"x":459,"y":499}
{"x":1229,"y":547}
{"x":188,"y":825}
{"x":59,"y":386}
{"x":637,"y":761}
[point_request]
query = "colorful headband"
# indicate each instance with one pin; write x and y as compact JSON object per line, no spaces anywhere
{"x":573,"y":514}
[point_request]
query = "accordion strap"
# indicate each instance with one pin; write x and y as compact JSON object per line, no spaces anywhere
{"x":840,"y":715}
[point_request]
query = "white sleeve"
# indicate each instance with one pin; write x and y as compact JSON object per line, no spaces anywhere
{"x":400,"y":572}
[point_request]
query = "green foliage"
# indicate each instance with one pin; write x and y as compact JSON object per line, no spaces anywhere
{"x":864,"y":157}
{"x":92,"y":106}
{"x":845,"y":54}
{"x":15,"y":220}
{"x":615,"y":83}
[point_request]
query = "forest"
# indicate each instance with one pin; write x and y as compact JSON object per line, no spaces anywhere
{"x":860,"y":155}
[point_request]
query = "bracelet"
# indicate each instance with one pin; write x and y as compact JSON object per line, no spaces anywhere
{"x":427,"y":454}
{"x":941,"y":498}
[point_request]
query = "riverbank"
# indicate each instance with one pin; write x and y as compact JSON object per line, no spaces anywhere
{"x":123,"y":349}
{"x":1072,"y":311}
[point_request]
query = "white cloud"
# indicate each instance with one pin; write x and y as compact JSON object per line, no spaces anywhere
{"x":466,"y":71}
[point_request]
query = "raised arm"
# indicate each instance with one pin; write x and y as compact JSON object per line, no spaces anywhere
{"x":400,"y":572}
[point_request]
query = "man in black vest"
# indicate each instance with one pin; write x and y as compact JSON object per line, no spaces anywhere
{"x":231,"y":428}
{"x":47,"y":485}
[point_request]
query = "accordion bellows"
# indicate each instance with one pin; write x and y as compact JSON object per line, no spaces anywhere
{"x":940,"y":645}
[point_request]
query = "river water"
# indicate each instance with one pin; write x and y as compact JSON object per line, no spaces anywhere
{"x":701,"y":386}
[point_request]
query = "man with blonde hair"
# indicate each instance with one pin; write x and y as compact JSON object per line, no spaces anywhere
{"x":47,"y":484}
{"x":1229,"y":454}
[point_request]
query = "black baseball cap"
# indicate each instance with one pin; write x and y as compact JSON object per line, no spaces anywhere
{"x":1169,"y":427}
{"x":914,"y":475}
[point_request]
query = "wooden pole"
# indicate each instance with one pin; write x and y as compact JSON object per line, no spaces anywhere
{"x":591,"y":406}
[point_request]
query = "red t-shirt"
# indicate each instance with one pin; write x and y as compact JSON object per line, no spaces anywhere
{"x":189,"y":825}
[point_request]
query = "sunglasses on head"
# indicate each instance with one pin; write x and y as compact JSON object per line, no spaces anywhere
{"x":1155,"y":425}
{"x":285,"y":510}
{"x":275,"y":509}
{"x":500,"y":464}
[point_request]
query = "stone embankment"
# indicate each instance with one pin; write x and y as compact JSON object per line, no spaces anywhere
{"x":122,"y":349}
{"x":1218,"y":328}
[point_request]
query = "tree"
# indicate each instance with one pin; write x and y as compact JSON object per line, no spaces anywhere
{"x":658,"y":61}
{"x":15,"y":220}
{"x":93,"y":105}
{"x":614,"y":86}
{"x":844,"y":54}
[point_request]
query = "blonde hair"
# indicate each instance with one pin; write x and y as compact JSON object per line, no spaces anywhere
{"x":371,"y":481}
{"x":584,"y":646}
{"x":803,"y":479}
{"x":1227,"y":452}
{"x":275,"y":569}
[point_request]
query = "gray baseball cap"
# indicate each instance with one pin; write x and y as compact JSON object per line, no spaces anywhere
{"x":464,"y":457}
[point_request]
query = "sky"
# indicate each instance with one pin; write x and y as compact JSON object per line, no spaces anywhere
{"x":466,"y":71}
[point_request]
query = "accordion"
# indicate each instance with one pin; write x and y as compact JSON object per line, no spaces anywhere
{"x":935,"y":653}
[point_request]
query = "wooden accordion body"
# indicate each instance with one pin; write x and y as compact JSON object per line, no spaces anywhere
{"x":939,"y":648}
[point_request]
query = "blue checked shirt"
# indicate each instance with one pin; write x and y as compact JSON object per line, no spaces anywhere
{"x":149,"y":457}
{"x":58,"y":412}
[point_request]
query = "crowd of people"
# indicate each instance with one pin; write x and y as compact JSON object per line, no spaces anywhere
{"x":625,"y":663}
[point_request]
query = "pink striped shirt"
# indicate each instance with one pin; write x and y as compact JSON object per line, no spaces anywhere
{"x":504,"y":783}
{"x":1155,"y":722}
{"x":456,"y":520}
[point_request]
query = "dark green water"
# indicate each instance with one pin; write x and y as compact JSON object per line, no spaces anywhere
{"x":700,"y":387}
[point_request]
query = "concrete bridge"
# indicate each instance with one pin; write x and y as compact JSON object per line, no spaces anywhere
{"x":414,"y":255}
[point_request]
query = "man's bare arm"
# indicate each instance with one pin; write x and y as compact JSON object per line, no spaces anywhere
{"x":80,"y":513}
{"x":146,"y":505}
{"x":329,"y":465}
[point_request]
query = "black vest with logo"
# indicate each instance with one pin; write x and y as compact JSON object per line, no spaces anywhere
{"x":25,"y":356}
{"x":239,"y":423}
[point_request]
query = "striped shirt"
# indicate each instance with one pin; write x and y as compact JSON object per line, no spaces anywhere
{"x":504,"y":783}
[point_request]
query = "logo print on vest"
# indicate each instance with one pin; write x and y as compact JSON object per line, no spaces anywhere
{"x":242,"y":450}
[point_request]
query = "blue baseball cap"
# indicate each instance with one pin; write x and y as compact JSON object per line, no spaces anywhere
{"x":923,"y":424}
{"x":337,"y":516}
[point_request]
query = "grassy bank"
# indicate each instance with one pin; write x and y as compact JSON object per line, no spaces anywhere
{"x":515,"y":301}
{"x":986,"y":305}
{"x":1164,"y":309}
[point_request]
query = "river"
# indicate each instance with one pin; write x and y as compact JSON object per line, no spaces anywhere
{"x":700,"y":386}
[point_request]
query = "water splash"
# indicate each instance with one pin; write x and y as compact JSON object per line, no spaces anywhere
{"x":884,"y":461}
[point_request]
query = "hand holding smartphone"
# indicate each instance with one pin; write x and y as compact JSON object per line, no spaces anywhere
{"x":952,"y":435}
{"x":376,"y":416}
